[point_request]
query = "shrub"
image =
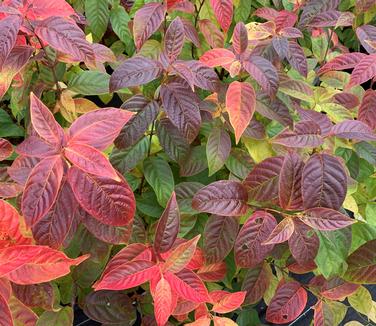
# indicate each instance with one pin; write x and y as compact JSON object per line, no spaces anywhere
{"x":241,"y":161}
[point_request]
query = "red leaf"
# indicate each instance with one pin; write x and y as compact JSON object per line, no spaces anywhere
{"x":353,"y":129}
{"x":6,"y":315}
{"x":282,"y":232}
{"x":240,"y":38}
{"x":9,"y":27}
{"x":162,"y":297}
{"x":130,"y":275}
{"x":212,"y":34}
{"x":223,"y":12}
{"x":227,"y":302}
{"x":98,"y":128}
{"x":146,"y":21}
{"x":212,"y":273}
{"x":337,"y":289}
{"x":5,"y":289}
{"x":325,"y":219}
{"x":222,"y":198}
{"x":168,"y":226}
{"x":364,"y":70}
{"x":367,"y":109}
{"x":304,"y":243}
{"x":109,"y":201}
{"x":256,"y":282}
{"x":21,"y":168}
{"x":181,"y":256}
{"x":30,"y":264}
{"x":287,"y":304}
{"x":42,"y":188}
{"x":217,"y":57}
{"x":204,"y":321}
{"x":54,"y":227}
{"x":181,"y":106}
{"x":65,"y":36}
{"x":240,"y":105}
{"x":134,"y":72}
{"x":249,"y":250}
{"x":174,"y":39}
{"x":290,"y":194}
{"x":263,"y":72}
{"x":42,"y":9}
{"x":188,"y":286}
{"x":324,"y":182}
{"x":36,"y":147}
{"x":262,"y":181}
{"x":90,"y":160}
{"x":6,"y":149}
{"x":342,"y":62}
{"x":44,"y":122}
{"x":284,"y":19}
{"x":219,"y":237}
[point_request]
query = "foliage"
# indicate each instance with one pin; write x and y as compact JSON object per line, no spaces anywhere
{"x":242,"y":155}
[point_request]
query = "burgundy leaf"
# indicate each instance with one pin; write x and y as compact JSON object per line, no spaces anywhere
{"x":291,"y":32}
{"x":318,"y":118}
{"x":353,"y":129}
{"x":9,"y":27}
{"x":222,"y":198}
{"x":342,"y":62}
{"x":174,"y":39}
{"x":134,"y":72}
{"x":218,"y":149}
{"x":348,"y":100}
{"x":109,"y":201}
{"x":185,"y":72}
{"x":281,"y":46}
{"x":262,"y":181}
{"x":367,"y":110}
{"x":240,"y":38}
{"x":282,"y":232}
{"x":274,"y":110}
{"x":249,"y":250}
{"x":21,"y":168}
{"x":297,"y":58}
{"x":204,"y":77}
{"x":290,"y":181}
{"x":6,"y":149}
{"x":366,"y":33}
{"x":42,"y":188}
{"x":324,"y":182}
{"x":337,"y":289}
{"x":36,"y":147}
{"x":256,"y":282}
{"x":191,"y":33}
{"x":364,"y":70}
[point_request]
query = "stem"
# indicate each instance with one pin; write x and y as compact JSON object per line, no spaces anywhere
{"x":195,"y":25}
{"x":329,"y":41}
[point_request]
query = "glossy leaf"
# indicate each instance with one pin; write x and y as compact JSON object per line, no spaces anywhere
{"x":325,"y":219}
{"x":174,"y":39}
{"x":6,"y":149}
{"x":363,"y":71}
{"x":9,"y":27}
{"x":217,"y":57}
{"x":343,"y":61}
{"x":367,"y":111}
{"x":240,"y":38}
{"x":282,"y":232}
{"x":227,"y":302}
{"x":353,"y":129}
{"x":218,"y":149}
{"x":162,"y":301}
{"x":223,"y":11}
{"x":255,"y":283}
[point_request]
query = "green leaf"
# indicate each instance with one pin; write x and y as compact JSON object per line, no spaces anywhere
{"x":8,"y":127}
{"x":366,"y":151}
{"x":119,"y":19}
{"x":147,"y":204}
{"x":361,"y":233}
{"x":90,"y":83}
{"x":97,"y":13}
{"x":63,"y":317}
{"x":159,"y":175}
{"x":242,"y":11}
{"x":371,"y":213}
{"x":361,"y":300}
{"x":248,"y":318}
{"x":333,"y":251}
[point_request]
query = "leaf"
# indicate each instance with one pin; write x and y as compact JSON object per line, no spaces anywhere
{"x":318,"y":118}
{"x":52,"y":229}
{"x":6,"y":313}
{"x":174,"y":39}
{"x":255,"y":282}
{"x":367,"y":109}
{"x":181,"y":106}
{"x":361,"y":300}
{"x":109,"y":307}
{"x":168,"y":226}
{"x":109,"y":201}
{"x":325,"y":219}
{"x":287,"y":304}
{"x":191,"y":33}
{"x":364,"y":70}
{"x":219,"y":237}
{"x":324,"y":182}
{"x":9,"y":27}
{"x":146,"y":22}
{"x":131,"y":274}
{"x":303,"y":243}
{"x":187,"y":285}
{"x":282,"y":232}
{"x":222,"y":198}
{"x":312,"y":9}
{"x":249,"y":250}
{"x":337,"y":289}
{"x":97,"y":14}
{"x":162,"y":297}
{"x":223,"y":11}
{"x":119,"y":20}
{"x":342,"y":62}
{"x":353,"y":129}
{"x":281,"y":46}
{"x":98,"y":128}
{"x":6,"y":149}
{"x":228,"y":302}
{"x":297,"y":59}
{"x":274,"y":110}
{"x":181,"y":256}
{"x":90,"y":160}
{"x":35,"y":295}
{"x":290,"y":178}
{"x":263,"y":72}
{"x":44,"y":122}
{"x":240,"y":38}
{"x":361,"y":264}
{"x":213,"y":36}
{"x":213,"y":273}
{"x":365,"y":34}
{"x":240,"y":105}
{"x":218,"y":149}
{"x":36,"y":147}
{"x":90,"y":83}
{"x":262,"y":182}
{"x":65,"y":36}
{"x":134,"y":72}
{"x":137,"y":126}
{"x":223,"y":321}
{"x":296,"y":89}
{"x":217,"y":57}
{"x":59,"y":318}
{"x":203,"y":76}
{"x":20,"y":169}
{"x":29,"y":264}
{"x":158,"y":174}
{"x":42,"y":188}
